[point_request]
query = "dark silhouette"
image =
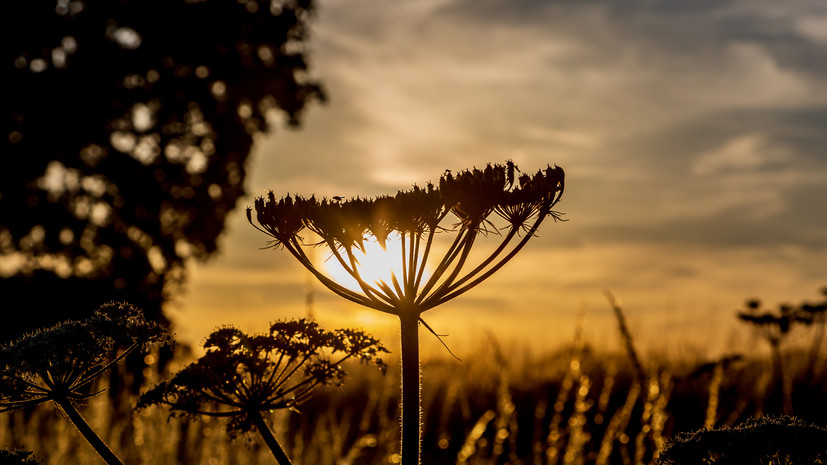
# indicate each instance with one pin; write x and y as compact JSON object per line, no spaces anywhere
{"x":127,"y":126}
{"x":242,"y":375}
{"x":775,"y":327}
{"x":466,"y":204}
{"x":59,"y":364}
{"x":787,"y":440}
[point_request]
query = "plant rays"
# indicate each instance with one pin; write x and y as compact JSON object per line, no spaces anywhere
{"x":416,"y":216}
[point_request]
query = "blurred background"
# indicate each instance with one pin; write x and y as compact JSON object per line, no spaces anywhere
{"x":691,"y":135}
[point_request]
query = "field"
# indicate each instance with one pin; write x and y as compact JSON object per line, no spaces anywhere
{"x":499,"y":406}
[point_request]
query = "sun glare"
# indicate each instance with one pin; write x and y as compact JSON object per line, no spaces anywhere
{"x":374,"y":265}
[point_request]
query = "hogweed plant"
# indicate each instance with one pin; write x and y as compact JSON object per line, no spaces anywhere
{"x":775,"y":327}
{"x":241,"y":375}
{"x":59,"y":364}
{"x":466,"y":205}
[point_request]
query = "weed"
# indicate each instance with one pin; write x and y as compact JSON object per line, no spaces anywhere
{"x":58,"y":364}
{"x":241,"y":376}
{"x":471,"y":200}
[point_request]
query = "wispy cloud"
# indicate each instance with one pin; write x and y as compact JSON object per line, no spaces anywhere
{"x":692,"y":134}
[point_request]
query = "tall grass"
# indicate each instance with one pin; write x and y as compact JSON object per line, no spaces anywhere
{"x":503,"y":405}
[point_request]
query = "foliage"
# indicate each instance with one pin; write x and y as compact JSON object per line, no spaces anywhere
{"x":783,"y":440}
{"x":125,"y":140}
{"x":240,"y":374}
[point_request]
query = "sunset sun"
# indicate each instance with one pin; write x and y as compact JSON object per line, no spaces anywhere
{"x":375,"y":263}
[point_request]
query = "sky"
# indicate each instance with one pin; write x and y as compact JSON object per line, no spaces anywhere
{"x":693,"y":135}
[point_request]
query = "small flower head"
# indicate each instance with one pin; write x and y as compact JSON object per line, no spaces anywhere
{"x":242,"y":373}
{"x":62,"y":360}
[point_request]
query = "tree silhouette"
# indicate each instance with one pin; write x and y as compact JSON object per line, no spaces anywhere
{"x":127,"y":126}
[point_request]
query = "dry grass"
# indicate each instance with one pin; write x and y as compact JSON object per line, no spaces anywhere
{"x":499,"y":406}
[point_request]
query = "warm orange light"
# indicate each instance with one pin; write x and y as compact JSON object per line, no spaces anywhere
{"x":375,"y":264}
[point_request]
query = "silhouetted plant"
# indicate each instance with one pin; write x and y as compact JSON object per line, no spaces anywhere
{"x":815,"y":314}
{"x":463,"y":204}
{"x":764,"y":441}
{"x":774,"y":327}
{"x":58,"y":364}
{"x":16,"y":457}
{"x":125,"y":140}
{"x":241,"y":376}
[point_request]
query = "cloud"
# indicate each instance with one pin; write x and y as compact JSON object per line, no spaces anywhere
{"x":740,"y":153}
{"x":692,"y":135}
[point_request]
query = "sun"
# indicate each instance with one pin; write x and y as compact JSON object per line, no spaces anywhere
{"x":374,"y":264}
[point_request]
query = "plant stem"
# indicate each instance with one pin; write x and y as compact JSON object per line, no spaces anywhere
{"x":815,"y":347}
{"x":100,"y":447}
{"x":269,"y":439}
{"x":411,"y":432}
{"x":780,"y":379}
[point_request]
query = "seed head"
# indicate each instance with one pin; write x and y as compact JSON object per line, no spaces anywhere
{"x":464,"y":203}
{"x":242,"y":373}
{"x":64,"y":359}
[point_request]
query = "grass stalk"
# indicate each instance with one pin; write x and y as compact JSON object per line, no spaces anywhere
{"x":94,"y":440}
{"x":269,"y":438}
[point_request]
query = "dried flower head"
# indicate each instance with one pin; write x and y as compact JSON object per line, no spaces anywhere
{"x":60,"y":362}
{"x":466,"y":204}
{"x":782,"y":440}
{"x":241,"y":375}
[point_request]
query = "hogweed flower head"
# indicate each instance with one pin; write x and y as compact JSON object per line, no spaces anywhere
{"x":466,"y":204}
{"x":60,"y":362}
{"x":241,"y":375}
{"x":471,"y":205}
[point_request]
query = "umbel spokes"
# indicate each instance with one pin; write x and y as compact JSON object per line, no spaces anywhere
{"x":472,"y":205}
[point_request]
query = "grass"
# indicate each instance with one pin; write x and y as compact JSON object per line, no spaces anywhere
{"x":571,"y":406}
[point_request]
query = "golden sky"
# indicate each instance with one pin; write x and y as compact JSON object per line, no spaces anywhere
{"x":692,"y":135}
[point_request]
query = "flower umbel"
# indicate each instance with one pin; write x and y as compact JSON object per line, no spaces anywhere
{"x":463,"y":204}
{"x":59,"y":363}
{"x":242,"y":375}
{"x":466,"y":204}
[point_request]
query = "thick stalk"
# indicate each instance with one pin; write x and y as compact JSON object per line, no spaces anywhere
{"x":411,"y":433}
{"x":268,"y":437}
{"x":100,"y":447}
